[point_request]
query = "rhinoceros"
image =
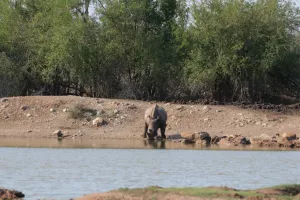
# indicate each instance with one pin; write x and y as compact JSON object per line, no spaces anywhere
{"x":155,"y":118}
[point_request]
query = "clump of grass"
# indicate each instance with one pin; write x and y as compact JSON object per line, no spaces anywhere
{"x":79,"y":111}
{"x":287,"y":192}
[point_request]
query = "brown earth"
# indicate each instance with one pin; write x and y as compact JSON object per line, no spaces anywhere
{"x":39,"y":116}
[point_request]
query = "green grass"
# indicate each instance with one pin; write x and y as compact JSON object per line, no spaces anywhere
{"x":287,"y":192}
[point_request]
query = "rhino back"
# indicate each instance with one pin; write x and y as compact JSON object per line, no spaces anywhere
{"x":154,"y":111}
{"x":162,"y":114}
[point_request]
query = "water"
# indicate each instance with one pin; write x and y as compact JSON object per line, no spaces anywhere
{"x":64,"y":173}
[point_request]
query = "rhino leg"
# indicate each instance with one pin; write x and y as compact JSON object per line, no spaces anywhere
{"x":145,"y":131}
{"x":163,"y":130}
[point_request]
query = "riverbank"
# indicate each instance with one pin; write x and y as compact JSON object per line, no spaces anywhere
{"x":40,"y":116}
{"x":278,"y":192}
{"x":158,"y":193}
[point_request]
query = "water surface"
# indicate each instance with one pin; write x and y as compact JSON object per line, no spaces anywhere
{"x":66,"y":173}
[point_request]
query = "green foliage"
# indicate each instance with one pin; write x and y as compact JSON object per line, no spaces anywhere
{"x":243,"y":50}
{"x":227,"y":50}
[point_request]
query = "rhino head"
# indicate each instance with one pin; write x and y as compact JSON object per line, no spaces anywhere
{"x":152,"y":126}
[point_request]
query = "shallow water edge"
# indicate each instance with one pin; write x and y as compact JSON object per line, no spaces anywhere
{"x":121,"y":144}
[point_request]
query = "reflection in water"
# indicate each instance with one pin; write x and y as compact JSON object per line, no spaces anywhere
{"x":155,"y":144}
{"x":115,"y":144}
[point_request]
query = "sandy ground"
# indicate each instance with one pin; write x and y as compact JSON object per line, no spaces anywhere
{"x":40,"y":116}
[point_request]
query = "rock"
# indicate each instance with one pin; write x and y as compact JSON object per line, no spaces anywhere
{"x":88,"y":114}
{"x":99,"y":112}
{"x":265,"y":137}
{"x":29,"y":131}
{"x":174,"y":137}
{"x":194,"y":136}
{"x":28,"y":115}
{"x":10,"y":194}
{"x":289,"y":136}
{"x":24,"y":107}
{"x":206,"y":119}
{"x":52,"y":110}
{"x":132,"y":106}
{"x":188,"y":135}
{"x":217,"y":139}
{"x":179,"y":107}
{"x":206,"y":108}
{"x":187,"y":141}
{"x":58,"y":133}
{"x":4,"y":99}
{"x":116,"y":111}
{"x":98,"y":122}
{"x":167,"y":104}
{"x":65,"y":110}
{"x":6,"y":117}
{"x":218,"y":111}
{"x":234,"y":140}
{"x":4,"y":106}
{"x":122,"y":117}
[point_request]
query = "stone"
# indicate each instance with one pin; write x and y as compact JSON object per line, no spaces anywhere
{"x":24,"y":107}
{"x":65,"y":110}
{"x":218,"y":111}
{"x":6,"y":117}
{"x":179,"y":107}
{"x":132,"y":106}
{"x":206,"y":108}
{"x":4,"y":106}
{"x":289,"y":136}
{"x":98,"y":122}
{"x":122,"y":117}
{"x":265,"y":137}
{"x":188,"y":135}
{"x":52,"y":110}
{"x":174,"y":136}
{"x":28,"y":115}
{"x":4,"y":99}
{"x":58,"y":133}
{"x":167,"y":104}
{"x":10,"y":194}
{"x":116,"y":111}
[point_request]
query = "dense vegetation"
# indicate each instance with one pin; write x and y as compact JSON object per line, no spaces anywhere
{"x":224,"y":50}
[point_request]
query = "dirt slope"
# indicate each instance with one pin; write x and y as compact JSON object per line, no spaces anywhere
{"x":39,"y":116}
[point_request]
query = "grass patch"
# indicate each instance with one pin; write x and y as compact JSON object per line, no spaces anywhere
{"x":285,"y":192}
{"x":80,"y":112}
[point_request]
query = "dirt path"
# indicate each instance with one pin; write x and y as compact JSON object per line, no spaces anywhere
{"x":39,"y":116}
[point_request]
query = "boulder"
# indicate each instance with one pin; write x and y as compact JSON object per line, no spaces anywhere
{"x":234,"y":140}
{"x":58,"y":133}
{"x":289,"y":136}
{"x":217,"y":139}
{"x":179,"y":107}
{"x":23,"y":107}
{"x":265,"y":137}
{"x":98,"y":122}
{"x":194,"y":136}
{"x":4,"y":99}
{"x":132,"y":106}
{"x":10,"y":194}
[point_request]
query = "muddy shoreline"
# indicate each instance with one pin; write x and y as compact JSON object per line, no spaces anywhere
{"x":40,"y":117}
